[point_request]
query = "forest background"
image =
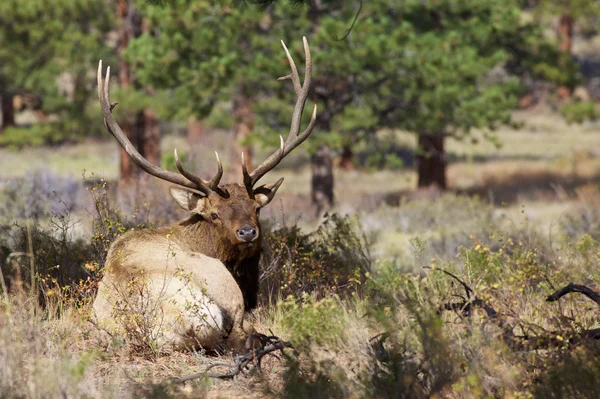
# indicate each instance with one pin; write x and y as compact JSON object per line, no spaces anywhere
{"x":452,"y":134}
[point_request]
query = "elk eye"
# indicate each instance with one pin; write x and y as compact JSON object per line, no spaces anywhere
{"x":214,"y":216}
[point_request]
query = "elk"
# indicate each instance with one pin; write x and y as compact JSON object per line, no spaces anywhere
{"x":197,"y":276}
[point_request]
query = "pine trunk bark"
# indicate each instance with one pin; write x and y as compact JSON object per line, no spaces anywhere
{"x":347,"y":158}
{"x":144,"y":131}
{"x":8,"y":112}
{"x":127,"y":169}
{"x":244,"y":116}
{"x":150,"y":146}
{"x":322,"y":180}
{"x":565,"y":45}
{"x":565,"y":33}
{"x":431,"y":161}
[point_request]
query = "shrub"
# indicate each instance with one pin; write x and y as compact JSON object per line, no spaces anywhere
{"x":398,"y":340}
{"x":37,"y":359}
{"x":333,"y":259}
{"x":310,"y":321}
{"x":37,"y":135}
{"x":37,"y":195}
{"x":48,"y":259}
{"x":583,"y":217}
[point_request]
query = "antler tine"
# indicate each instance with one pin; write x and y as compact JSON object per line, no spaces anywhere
{"x":184,"y":179}
{"x":293,"y":140}
{"x":294,"y":75}
{"x":247,"y":177}
{"x":214,"y":182}
{"x":201,"y":184}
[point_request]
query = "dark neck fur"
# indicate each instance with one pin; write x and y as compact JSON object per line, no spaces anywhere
{"x":195,"y":234}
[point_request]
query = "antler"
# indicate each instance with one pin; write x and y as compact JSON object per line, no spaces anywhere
{"x":185,"y":179}
{"x":293,"y":139}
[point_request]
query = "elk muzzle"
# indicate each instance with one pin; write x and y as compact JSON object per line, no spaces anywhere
{"x":247,"y":233}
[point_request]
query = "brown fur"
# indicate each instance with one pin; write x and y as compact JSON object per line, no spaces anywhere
{"x":220,"y":268}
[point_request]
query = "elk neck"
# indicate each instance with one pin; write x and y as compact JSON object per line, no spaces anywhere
{"x":195,"y":234}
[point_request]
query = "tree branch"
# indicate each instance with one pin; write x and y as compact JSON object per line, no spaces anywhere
{"x":582,"y":289}
{"x":258,"y":345}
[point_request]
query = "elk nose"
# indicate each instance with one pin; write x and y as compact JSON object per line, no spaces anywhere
{"x":246,"y":233}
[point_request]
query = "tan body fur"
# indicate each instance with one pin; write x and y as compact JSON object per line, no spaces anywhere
{"x":180,"y":277}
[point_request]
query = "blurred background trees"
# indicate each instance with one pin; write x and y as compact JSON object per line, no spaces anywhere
{"x":46,"y":54}
{"x":438,"y":69}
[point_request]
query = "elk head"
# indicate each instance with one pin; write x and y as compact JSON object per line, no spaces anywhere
{"x":231,"y":208}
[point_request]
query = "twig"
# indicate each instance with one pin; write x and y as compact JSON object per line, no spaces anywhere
{"x":582,"y":289}
{"x":468,"y":289}
{"x":267,"y":345}
{"x":472,"y":300}
{"x":548,"y":340}
{"x":31,"y":257}
{"x":360,"y":5}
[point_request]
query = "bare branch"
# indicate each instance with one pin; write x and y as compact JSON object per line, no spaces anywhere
{"x":570,"y":288}
{"x":258,"y":345}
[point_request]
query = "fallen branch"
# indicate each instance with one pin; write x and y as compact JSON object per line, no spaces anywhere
{"x":548,"y":340}
{"x":570,"y":288}
{"x":471,"y":301}
{"x":258,"y":345}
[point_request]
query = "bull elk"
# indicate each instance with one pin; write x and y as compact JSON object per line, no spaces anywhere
{"x":200,"y":274}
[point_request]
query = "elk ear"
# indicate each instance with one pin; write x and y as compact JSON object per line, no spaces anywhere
{"x":189,"y":200}
{"x":264,"y":194}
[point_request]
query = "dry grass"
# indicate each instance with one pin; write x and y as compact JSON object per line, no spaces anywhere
{"x":43,"y":356}
{"x":541,"y":186}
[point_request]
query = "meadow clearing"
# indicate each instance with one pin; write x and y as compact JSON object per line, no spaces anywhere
{"x":359,"y":293}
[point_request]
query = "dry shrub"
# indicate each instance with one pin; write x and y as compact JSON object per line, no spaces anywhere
{"x":428,"y":212}
{"x":583,"y":217}
{"x":395,"y":344}
{"x":398,"y":341}
{"x":40,"y":242}
{"x":37,"y":195}
{"x":331,"y":353}
{"x":571,"y":374}
{"x":332,"y":260}
{"x":37,"y":359}
{"x":514,"y":186}
{"x":49,"y":259}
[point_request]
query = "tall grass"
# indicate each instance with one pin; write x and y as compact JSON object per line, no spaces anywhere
{"x":360,"y":327}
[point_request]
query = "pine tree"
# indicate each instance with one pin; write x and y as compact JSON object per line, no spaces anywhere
{"x":47,"y":52}
{"x":437,"y":69}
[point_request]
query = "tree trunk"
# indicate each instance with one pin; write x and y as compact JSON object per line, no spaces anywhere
{"x":244,"y":116}
{"x":322,"y":180}
{"x":127,"y":170}
{"x":144,"y":131}
{"x":347,"y":158}
{"x":146,"y":138}
{"x":565,"y":45}
{"x":431,"y":161}
{"x":8,"y":112}
{"x":195,"y":131}
{"x":150,"y":146}
{"x":565,"y":33}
